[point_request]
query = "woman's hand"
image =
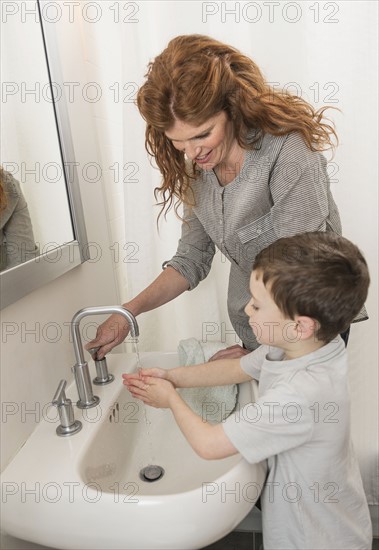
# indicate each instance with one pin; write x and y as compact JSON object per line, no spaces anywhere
{"x":109,"y":334}
{"x":233,"y":352}
{"x":153,"y":391}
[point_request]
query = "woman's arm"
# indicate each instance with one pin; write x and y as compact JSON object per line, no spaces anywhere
{"x":167,"y":286}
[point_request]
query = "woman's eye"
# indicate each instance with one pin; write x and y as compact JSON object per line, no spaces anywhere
{"x":202,"y":136}
{"x":255,"y":308}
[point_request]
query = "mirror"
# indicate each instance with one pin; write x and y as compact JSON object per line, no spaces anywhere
{"x":37,"y":156}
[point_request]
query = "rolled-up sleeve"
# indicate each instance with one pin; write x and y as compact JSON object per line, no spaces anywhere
{"x":195,"y":252}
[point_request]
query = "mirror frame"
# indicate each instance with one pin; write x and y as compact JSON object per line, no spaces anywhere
{"x":24,"y":278}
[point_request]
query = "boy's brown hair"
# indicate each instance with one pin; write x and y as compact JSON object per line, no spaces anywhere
{"x":320,"y":275}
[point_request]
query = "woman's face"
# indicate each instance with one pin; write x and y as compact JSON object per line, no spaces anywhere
{"x":209,"y":144}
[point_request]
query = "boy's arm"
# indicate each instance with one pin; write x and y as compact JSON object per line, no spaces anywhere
{"x":214,"y":373}
{"x":207,"y":440}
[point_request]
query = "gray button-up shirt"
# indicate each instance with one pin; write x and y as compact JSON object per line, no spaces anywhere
{"x":282,"y":189}
{"x":17,"y":243}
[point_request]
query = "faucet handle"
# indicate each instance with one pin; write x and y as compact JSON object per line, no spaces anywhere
{"x":103,"y":377}
{"x":68,"y":425}
{"x":93,"y":352}
{"x":60,"y":395}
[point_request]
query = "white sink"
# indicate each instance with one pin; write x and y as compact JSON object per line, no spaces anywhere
{"x":85,"y":491}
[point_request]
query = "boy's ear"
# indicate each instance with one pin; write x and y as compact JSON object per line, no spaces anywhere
{"x":306,"y":327}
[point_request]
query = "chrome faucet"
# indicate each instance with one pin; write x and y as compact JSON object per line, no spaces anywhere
{"x":80,"y":369}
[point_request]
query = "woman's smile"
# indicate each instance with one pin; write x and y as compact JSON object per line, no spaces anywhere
{"x":204,"y":158}
{"x":210,"y":145}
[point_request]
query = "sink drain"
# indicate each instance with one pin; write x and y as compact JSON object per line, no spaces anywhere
{"x":151,"y":473}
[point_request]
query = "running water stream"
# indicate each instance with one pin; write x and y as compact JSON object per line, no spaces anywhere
{"x":147,"y":421}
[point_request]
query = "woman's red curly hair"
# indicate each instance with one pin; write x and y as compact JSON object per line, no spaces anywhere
{"x":195,"y":78}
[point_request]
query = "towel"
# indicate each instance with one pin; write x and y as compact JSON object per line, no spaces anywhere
{"x":212,"y":403}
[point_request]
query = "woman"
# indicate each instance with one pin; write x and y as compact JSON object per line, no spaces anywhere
{"x":244,"y":160}
{"x":17,"y":244}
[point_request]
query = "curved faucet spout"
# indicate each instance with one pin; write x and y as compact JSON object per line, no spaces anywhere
{"x":100,"y":310}
{"x":80,"y":369}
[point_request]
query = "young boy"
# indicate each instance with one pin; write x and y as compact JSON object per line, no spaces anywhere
{"x":305,"y":291}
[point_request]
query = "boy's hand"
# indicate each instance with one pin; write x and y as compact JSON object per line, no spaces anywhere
{"x":141,"y":373}
{"x":153,"y":391}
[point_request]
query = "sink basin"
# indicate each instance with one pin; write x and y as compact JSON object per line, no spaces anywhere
{"x":87,"y":491}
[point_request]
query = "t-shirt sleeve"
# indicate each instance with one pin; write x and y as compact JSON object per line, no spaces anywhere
{"x":252,"y":362}
{"x":278,"y":421}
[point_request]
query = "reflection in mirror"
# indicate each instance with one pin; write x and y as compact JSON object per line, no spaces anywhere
{"x":30,"y":148}
{"x":17,"y":243}
{"x":36,"y":154}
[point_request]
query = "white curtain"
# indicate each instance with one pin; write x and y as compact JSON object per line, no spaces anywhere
{"x":325,"y":51}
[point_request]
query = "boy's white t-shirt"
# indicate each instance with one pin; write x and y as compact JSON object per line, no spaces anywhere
{"x":313,"y":497}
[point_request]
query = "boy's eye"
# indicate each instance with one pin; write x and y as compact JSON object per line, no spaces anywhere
{"x":255,"y":308}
